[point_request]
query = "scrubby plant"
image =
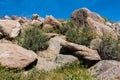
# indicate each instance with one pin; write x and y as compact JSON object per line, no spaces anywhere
{"x":33,"y":39}
{"x":70,"y":72}
{"x":109,"y":48}
{"x":65,"y":27}
{"x":62,"y":30}
{"x":80,"y":36}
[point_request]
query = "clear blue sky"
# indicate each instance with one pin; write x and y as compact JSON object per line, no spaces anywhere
{"x":59,"y":8}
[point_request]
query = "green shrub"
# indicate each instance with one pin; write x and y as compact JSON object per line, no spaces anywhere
{"x":70,"y":72}
{"x":109,"y":48}
{"x":65,"y":27}
{"x":80,"y":36}
{"x":33,"y":39}
{"x":62,"y":30}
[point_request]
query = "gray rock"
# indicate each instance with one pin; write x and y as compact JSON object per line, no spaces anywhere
{"x":43,"y":64}
{"x":106,"y":70}
{"x":65,"y":59}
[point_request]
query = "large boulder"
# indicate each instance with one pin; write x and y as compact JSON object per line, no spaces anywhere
{"x":52,"y":22}
{"x":10,"y":28}
{"x":14,"y":56}
{"x":106,"y":70}
{"x":81,"y":51}
{"x":84,"y":17}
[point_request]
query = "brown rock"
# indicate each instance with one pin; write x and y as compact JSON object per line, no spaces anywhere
{"x":14,"y":56}
{"x":7,"y":17}
{"x":53,"y":49}
{"x":14,"y":17}
{"x":22,"y":20}
{"x":50,"y":20}
{"x":35,"y":16}
{"x":26,"y":25}
{"x":80,"y":16}
{"x":37,"y":23}
{"x":9,"y":28}
{"x":116,"y":28}
{"x":84,"y":17}
{"x":81,"y":51}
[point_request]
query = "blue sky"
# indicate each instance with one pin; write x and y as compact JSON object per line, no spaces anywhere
{"x":59,"y":8}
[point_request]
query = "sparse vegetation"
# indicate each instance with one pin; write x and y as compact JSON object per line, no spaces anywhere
{"x":80,"y":36}
{"x":70,"y":72}
{"x":33,"y":39}
{"x":109,"y":48}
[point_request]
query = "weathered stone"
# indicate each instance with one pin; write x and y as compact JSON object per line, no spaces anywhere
{"x":9,"y":28}
{"x":116,"y":28}
{"x":95,"y":43}
{"x":14,"y":56}
{"x":43,"y":64}
{"x":81,"y":51}
{"x":35,"y":16}
{"x":106,"y":70}
{"x":53,"y":49}
{"x":79,"y":17}
{"x":14,"y":17}
{"x":84,"y":17}
{"x":37,"y":23}
{"x":26,"y":25}
{"x":22,"y":20}
{"x":51,"y":21}
{"x":65,"y":59}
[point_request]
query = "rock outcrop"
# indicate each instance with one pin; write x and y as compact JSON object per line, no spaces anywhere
{"x":14,"y":56}
{"x":84,"y":17}
{"x":106,"y":70}
{"x":10,"y":28}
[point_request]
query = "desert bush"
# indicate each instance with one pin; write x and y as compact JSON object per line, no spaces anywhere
{"x":62,"y":30}
{"x":33,"y":39}
{"x":109,"y":48}
{"x":80,"y":36}
{"x":65,"y":27}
